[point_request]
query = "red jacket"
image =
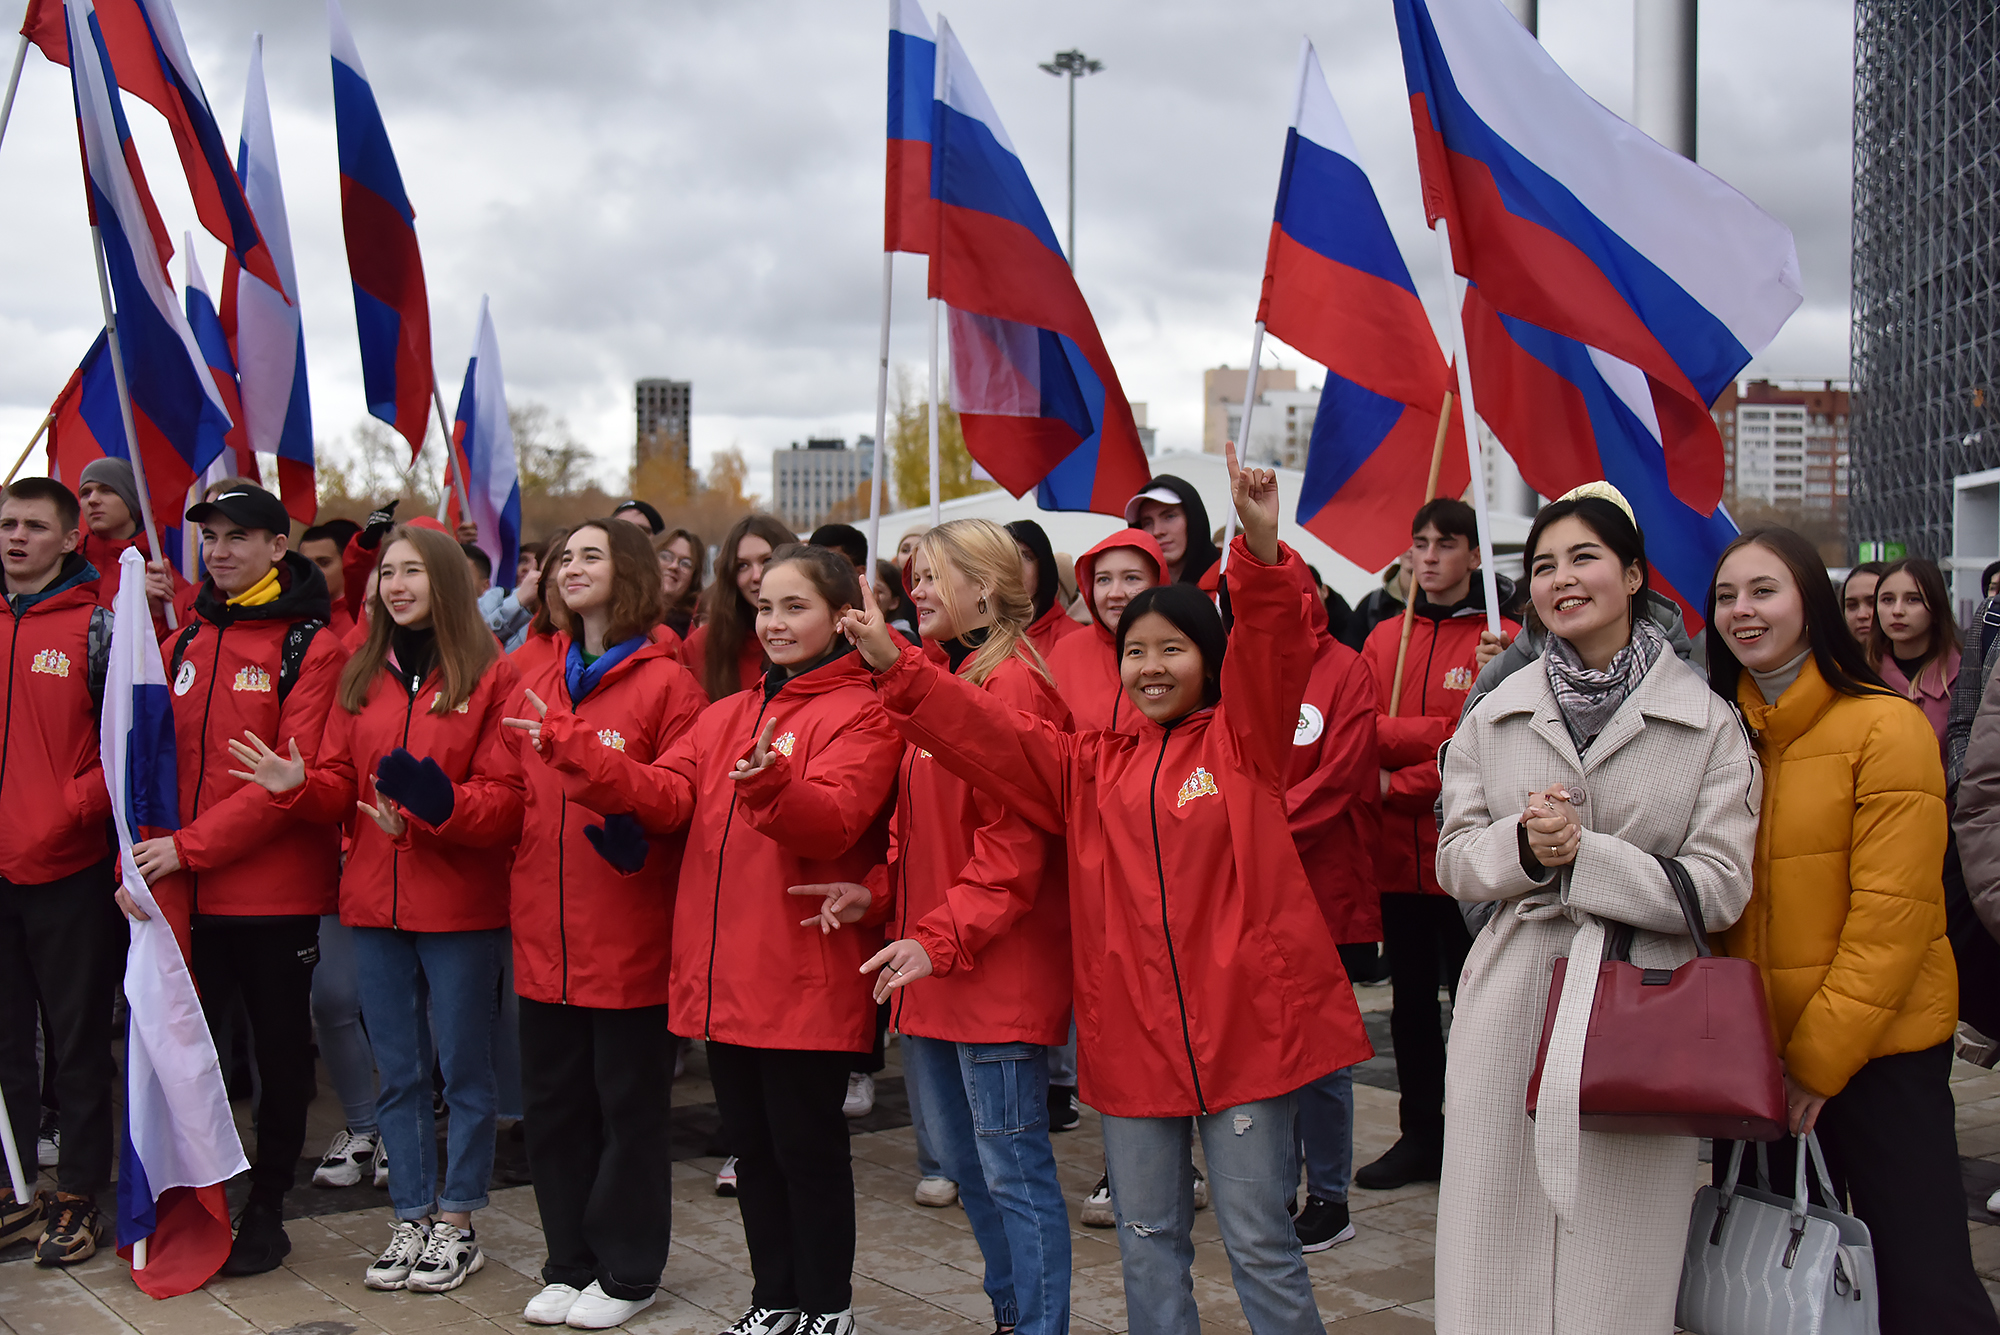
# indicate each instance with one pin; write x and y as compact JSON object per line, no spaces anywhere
{"x":534,"y":655}
{"x":1050,"y":628}
{"x":585,"y":935}
{"x":1438,"y":672}
{"x":986,"y":895}
{"x":1086,"y":665}
{"x":449,"y":879}
{"x":104,"y":553}
{"x":51,"y":781}
{"x":744,"y":970}
{"x":1333,"y":792}
{"x":245,"y":858}
{"x":1205,"y":975}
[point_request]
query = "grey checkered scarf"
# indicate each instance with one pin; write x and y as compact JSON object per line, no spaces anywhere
{"x":1587,"y":697}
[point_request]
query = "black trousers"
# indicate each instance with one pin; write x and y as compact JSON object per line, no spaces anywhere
{"x":1892,"y":1151}
{"x":1423,"y":937}
{"x":268,"y":963}
{"x":595,"y":1109}
{"x":794,"y":1174}
{"x":62,"y":944}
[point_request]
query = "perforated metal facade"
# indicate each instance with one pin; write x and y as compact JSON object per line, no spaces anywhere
{"x":1926,"y":260}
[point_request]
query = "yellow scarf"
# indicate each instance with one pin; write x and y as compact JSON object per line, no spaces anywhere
{"x":265,"y":590}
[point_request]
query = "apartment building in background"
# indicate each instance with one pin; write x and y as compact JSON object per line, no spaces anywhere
{"x":662,"y":419}
{"x":1784,"y":443}
{"x":807,"y":482}
{"x":1280,"y":429}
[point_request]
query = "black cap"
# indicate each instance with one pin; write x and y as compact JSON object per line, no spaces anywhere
{"x":653,"y":520}
{"x":252,"y":507}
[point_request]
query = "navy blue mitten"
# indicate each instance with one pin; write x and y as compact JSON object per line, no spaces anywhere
{"x":620,"y":842}
{"x":418,"y":786}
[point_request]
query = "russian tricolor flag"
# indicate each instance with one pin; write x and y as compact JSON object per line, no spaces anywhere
{"x":1571,"y":219}
{"x":391,"y":308}
{"x":87,"y":422}
{"x":483,"y":445}
{"x":1336,"y":288}
{"x":1036,"y":395}
{"x":231,"y":447}
{"x":180,"y":1141}
{"x":909,"y":214}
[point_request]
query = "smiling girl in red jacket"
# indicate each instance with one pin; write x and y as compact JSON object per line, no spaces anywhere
{"x":786,"y":784}
{"x":724,"y":650}
{"x":415,"y":743}
{"x":1109,"y":576}
{"x":1207,"y":986}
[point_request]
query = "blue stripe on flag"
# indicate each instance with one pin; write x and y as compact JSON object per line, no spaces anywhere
{"x":137,"y":1215}
{"x":912,"y":76}
{"x":1319,"y":206}
{"x":970,"y":169}
{"x":365,"y":155}
{"x":150,"y":796}
{"x":1351,"y":425}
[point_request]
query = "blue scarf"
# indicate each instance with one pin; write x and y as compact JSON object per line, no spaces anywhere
{"x":582,"y":679}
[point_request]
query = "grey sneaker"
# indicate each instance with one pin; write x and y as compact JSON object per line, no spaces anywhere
{"x":765,"y":1321}
{"x":450,"y":1255}
{"x":828,"y":1323}
{"x":392,"y":1268}
{"x":350,"y":1156}
{"x":1097,"y":1211}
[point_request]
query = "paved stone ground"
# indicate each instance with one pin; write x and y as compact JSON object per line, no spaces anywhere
{"x":918,"y":1270}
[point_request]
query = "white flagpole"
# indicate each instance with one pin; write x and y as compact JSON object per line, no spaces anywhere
{"x":450,"y":462}
{"x":1453,"y":304}
{"x":13,"y":1152}
{"x":125,"y":410}
{"x":14,"y":79}
{"x":937,"y":514}
{"x":1243,"y":438}
{"x":881,"y":419}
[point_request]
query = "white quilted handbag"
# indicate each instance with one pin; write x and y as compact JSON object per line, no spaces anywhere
{"x":1758,"y":1264}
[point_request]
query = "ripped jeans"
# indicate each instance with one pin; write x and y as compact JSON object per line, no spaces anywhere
{"x":1253,"y":1170}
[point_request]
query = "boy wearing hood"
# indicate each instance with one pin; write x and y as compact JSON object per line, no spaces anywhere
{"x":1170,"y":511}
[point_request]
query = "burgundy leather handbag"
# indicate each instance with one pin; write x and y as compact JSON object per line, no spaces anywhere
{"x":1674,"y":1052}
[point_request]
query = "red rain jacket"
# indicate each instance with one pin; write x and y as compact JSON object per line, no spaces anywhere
{"x":51,"y":780}
{"x":1086,"y":665}
{"x":1333,"y":792}
{"x":744,"y":970}
{"x":584,"y":934}
{"x":986,"y":895}
{"x":244,"y":857}
{"x":1052,"y":627}
{"x":1438,"y":673}
{"x":104,"y":553}
{"x":449,"y":879}
{"x":1205,"y":975}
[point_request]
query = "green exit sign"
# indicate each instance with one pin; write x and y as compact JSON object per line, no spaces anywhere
{"x":1883,"y":551}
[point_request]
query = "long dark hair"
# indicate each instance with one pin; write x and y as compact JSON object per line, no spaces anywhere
{"x":731,"y":618}
{"x":1613,"y":527}
{"x":1944,"y":631}
{"x":465,"y":647}
{"x":1194,"y":616}
{"x":543,"y":622}
{"x":690,"y":597}
{"x":1835,"y":654}
{"x":637,"y":602}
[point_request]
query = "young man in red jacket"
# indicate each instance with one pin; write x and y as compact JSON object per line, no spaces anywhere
{"x":1421,"y":927}
{"x":256,"y":657}
{"x":60,"y":937}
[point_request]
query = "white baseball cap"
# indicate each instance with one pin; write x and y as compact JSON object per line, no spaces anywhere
{"x":1164,"y":495}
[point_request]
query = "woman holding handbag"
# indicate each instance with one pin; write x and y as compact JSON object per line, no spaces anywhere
{"x":1563,"y":789}
{"x":1847,"y":921}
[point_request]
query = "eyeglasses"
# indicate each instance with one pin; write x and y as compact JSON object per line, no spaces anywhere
{"x":678,"y":562}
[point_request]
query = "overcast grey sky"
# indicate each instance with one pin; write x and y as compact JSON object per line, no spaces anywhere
{"x":693,"y":189}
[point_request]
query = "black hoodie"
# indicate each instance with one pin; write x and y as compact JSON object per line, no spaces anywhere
{"x":1201,"y":549}
{"x":1030,"y":535}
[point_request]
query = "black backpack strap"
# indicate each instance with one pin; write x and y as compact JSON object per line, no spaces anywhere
{"x":180,"y":649}
{"x":98,"y":654}
{"x":297,"y":641}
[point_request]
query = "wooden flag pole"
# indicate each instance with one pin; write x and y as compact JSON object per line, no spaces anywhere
{"x":40,"y":431}
{"x":1410,"y":601}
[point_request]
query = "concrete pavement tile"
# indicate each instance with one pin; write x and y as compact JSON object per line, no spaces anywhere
{"x":671,"y":1315}
{"x":1415,"y":1217}
{"x":197,"y":1313}
{"x":913,"y":1272}
{"x":1097,"y":1294}
{"x":1972,"y":1116}
{"x":278,"y":1299}
{"x":1388,"y":1321}
{"x":725,"y":1292}
{"x":720,"y":1242}
{"x":498,"y":1292}
{"x":49,"y":1302}
{"x":1398,"y":1284}
{"x":394,"y":1311}
{"x":913,"y":1316}
{"x":512,"y":1242}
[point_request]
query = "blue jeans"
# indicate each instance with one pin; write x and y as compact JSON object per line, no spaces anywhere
{"x":1252,"y":1172}
{"x":336,"y":1008}
{"x":1326,"y":1134}
{"x":507,"y":1036}
{"x":987,"y":1107}
{"x":453,"y":978}
{"x":927,"y":1160}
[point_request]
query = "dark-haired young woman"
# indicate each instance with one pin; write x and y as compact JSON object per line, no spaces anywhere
{"x":783,"y":785}
{"x":534,"y":645}
{"x":1108,"y":576}
{"x":415,"y":743}
{"x":1561,"y":790}
{"x":1207,"y":987}
{"x":1052,"y":621}
{"x":1913,"y":644}
{"x":682,"y":555}
{"x":1847,"y":921}
{"x":593,"y":928}
{"x":1857,"y":600}
{"x":724,"y":651}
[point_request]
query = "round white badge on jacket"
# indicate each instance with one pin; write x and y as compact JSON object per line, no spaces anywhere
{"x":1311,"y":724}
{"x":184,"y":679}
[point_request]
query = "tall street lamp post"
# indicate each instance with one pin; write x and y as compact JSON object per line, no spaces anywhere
{"x":1074,"y":64}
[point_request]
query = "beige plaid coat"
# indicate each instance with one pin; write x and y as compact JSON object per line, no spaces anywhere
{"x":1543,"y":1227}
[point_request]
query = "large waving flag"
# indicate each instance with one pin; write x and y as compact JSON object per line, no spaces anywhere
{"x":175,"y":404}
{"x":1571,"y":219}
{"x":180,"y":1142}
{"x":88,"y":424}
{"x":149,"y":59}
{"x":909,"y":213}
{"x":231,"y":448}
{"x":1336,"y":288}
{"x":263,"y":321}
{"x":391,"y":308}
{"x":483,"y":445}
{"x":1037,"y":397}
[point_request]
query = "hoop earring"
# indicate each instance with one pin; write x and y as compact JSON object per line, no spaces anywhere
{"x":982,"y":607}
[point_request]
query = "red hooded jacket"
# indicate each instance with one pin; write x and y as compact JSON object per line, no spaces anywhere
{"x":1333,"y":792}
{"x":1051,"y":628}
{"x":1205,"y":976}
{"x":1086,"y":665}
{"x":744,"y":970}
{"x":244,"y":858}
{"x":986,"y":895}
{"x":449,"y":879}
{"x":51,"y":780}
{"x":1438,"y":672}
{"x":584,"y":934}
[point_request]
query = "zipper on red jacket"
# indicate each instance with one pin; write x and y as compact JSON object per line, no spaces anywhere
{"x":715,"y":909}
{"x":201,"y":770}
{"x":1166,"y":927}
{"x":903,"y":863}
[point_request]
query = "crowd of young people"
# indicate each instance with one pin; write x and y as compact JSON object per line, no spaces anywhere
{"x":534,"y":840}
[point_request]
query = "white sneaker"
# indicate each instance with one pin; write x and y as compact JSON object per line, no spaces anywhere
{"x":347,"y":1158}
{"x":1200,"y":1190}
{"x":1993,"y":1203}
{"x":551,"y":1306}
{"x":860,"y":1095}
{"x":1097,"y":1211}
{"x":597,"y":1310}
{"x":392,"y":1268}
{"x":48,"y":1142}
{"x":765,"y":1321}
{"x":937,"y":1192}
{"x":450,"y":1255}
{"x":725,"y":1179}
{"x":828,"y":1323}
{"x":381,"y":1166}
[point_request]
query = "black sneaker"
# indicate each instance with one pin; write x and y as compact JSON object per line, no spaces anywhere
{"x":73,"y":1231}
{"x":1407,"y":1161}
{"x":260,"y":1243}
{"x":21,"y":1221}
{"x":1064,"y":1112}
{"x":1322,"y":1224}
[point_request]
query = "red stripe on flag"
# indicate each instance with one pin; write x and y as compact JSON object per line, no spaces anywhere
{"x":188,"y":1244}
{"x":1361,"y":327}
{"x":910,"y":219}
{"x":1368,"y":519}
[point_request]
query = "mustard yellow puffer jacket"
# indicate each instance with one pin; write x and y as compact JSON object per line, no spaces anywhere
{"x":1846,"y":918}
